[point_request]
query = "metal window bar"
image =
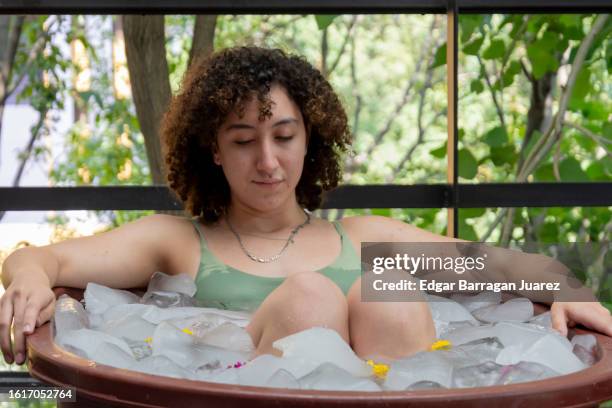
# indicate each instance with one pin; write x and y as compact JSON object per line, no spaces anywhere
{"x":452,"y":195}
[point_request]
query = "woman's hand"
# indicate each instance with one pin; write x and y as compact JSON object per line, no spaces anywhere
{"x":26,"y":304}
{"x":589,"y":314}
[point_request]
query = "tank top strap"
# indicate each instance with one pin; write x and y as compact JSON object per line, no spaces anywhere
{"x":198,"y":227}
{"x":348,"y":253}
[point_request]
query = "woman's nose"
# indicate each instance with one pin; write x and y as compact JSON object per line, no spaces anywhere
{"x":266,"y":157}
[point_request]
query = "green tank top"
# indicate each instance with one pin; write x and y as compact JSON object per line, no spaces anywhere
{"x":223,"y":287}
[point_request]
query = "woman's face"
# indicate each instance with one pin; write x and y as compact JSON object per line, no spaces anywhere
{"x":263,"y":161}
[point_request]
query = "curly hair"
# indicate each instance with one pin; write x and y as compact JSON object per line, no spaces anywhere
{"x":223,"y":83}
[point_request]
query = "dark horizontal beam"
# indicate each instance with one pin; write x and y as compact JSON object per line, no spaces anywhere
{"x":12,"y":380}
{"x":534,"y":195}
{"x":295,"y":6}
{"x":369,"y":196}
{"x":87,"y":198}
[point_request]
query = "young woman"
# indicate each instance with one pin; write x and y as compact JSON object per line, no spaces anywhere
{"x":252,"y":141}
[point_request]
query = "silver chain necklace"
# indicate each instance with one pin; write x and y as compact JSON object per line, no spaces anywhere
{"x":283,"y":249}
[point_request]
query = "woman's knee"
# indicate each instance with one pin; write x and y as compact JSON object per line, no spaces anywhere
{"x":305,"y":300}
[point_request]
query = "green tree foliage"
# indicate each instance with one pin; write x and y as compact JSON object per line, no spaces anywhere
{"x":534,"y":105}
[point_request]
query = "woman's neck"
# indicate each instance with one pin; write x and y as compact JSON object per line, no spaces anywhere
{"x":249,"y":220}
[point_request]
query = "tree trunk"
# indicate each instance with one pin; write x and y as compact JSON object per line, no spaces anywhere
{"x":148,"y":68}
{"x":203,"y":37}
{"x":10,"y":32}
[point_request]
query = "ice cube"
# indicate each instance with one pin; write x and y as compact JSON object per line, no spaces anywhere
{"x":226,"y":376}
{"x":258,"y":371}
{"x":479,"y":375}
{"x":111,"y":355}
{"x":553,"y":351}
{"x":475,"y":352}
{"x":448,"y":310}
{"x":320,"y":345}
{"x":168,"y":299}
{"x":508,"y":333}
{"x":140,"y":349}
{"x":524,"y":372}
{"x":543,"y":320}
{"x":423,"y":385}
{"x":478,"y":301}
{"x":179,"y":347}
{"x":98,"y":298}
{"x":588,"y":341}
{"x":228,"y":336}
{"x":585,"y":348}
{"x":283,"y":379}
{"x":161,"y":365}
{"x":513,"y":310}
{"x":87,"y":341}
{"x":423,"y":366}
{"x":181,"y":283}
{"x":69,"y":315}
{"x":329,"y":376}
{"x":129,"y":327}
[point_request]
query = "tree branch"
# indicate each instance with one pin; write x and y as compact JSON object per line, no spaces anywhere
{"x":28,"y":151}
{"x":202,"y":44}
{"x":553,"y":133}
{"x":407,"y":90}
{"x":37,"y":48}
{"x":344,"y":43}
{"x":600,"y":140}
{"x":500,"y":113}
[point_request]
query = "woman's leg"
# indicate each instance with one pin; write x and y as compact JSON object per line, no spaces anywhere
{"x":389,"y":330}
{"x":302,"y":301}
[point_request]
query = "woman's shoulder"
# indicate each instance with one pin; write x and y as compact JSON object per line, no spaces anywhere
{"x":377,"y":228}
{"x":162,"y":226}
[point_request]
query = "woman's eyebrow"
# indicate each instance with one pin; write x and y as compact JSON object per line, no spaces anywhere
{"x":247,"y":126}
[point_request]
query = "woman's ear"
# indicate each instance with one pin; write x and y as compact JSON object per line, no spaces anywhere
{"x":216,"y":157}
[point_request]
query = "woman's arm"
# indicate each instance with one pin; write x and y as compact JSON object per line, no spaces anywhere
{"x":121,"y":258}
{"x":503,"y":265}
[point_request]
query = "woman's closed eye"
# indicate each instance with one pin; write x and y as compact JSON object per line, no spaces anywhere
{"x":243,"y":142}
{"x":284,"y":138}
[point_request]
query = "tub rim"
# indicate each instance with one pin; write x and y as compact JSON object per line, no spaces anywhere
{"x":51,"y":364}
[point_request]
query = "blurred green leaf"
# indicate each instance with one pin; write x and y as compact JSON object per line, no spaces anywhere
{"x":472,"y":212}
{"x":570,"y":170}
{"x":545,"y":173}
{"x":439,"y":152}
{"x":468,"y":167}
{"x":570,"y":20}
{"x":549,"y":232}
{"x":496,"y":49}
{"x":440,"y":57}
{"x":503,"y":155}
{"x":466,"y":231}
{"x":597,"y":172}
{"x":473,"y":46}
{"x":496,"y":137}
{"x":476,"y":86}
{"x":582,"y":86}
{"x":468,"y":23}
{"x":324,"y":20}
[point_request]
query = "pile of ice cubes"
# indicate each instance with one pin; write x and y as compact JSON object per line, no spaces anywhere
{"x":164,"y":333}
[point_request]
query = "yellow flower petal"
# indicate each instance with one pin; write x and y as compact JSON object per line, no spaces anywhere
{"x":379,"y":370}
{"x":441,"y":345}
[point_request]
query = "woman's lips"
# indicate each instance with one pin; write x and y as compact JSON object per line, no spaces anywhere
{"x":268,"y":183}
